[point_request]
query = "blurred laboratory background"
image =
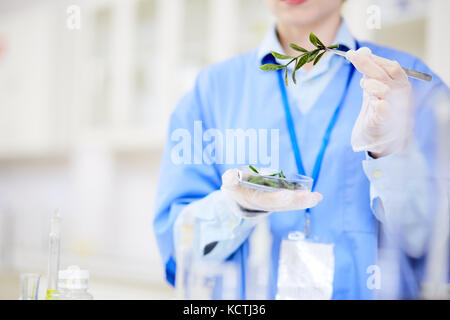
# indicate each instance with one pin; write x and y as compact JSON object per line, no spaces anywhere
{"x":83,"y":116}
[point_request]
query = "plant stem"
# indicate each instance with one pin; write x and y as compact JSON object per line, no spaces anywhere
{"x":302,"y":59}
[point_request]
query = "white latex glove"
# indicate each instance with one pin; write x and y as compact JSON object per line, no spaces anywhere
{"x":385,"y":121}
{"x":268,"y":201}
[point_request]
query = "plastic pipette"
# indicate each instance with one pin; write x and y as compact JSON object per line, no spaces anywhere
{"x":53,"y":254}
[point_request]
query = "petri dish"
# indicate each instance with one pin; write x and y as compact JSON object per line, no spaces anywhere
{"x":267,"y":182}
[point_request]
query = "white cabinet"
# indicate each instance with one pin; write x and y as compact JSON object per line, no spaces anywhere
{"x":27,"y":112}
{"x":83,"y":118}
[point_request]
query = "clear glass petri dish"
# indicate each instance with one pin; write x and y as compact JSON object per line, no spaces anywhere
{"x":267,"y":182}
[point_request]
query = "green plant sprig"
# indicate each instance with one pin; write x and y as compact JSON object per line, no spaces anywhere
{"x":300,"y":60}
{"x":279,"y":174}
{"x":274,"y":183}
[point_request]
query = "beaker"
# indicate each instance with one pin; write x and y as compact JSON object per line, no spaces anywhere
{"x":29,"y":286}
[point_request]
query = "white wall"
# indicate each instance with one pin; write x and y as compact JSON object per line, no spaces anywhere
{"x":83,"y":116}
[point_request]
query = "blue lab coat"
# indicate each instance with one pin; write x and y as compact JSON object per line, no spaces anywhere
{"x":237,"y":94}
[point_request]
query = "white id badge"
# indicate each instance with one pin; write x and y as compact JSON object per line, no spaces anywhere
{"x":305,"y":269}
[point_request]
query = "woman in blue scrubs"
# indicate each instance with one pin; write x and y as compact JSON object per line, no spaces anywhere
{"x":348,"y":122}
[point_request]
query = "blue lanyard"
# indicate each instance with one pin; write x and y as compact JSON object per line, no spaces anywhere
{"x":325,"y":140}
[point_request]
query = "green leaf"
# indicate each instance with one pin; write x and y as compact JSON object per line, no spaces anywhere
{"x":253,"y":169}
{"x":280,"y":56}
{"x":293,"y":72}
{"x":270,"y":183}
{"x":313,"y":55}
{"x":256,"y":180}
{"x":321,"y":45}
{"x":297,"y":47}
{"x":318,"y":58}
{"x":334,"y":46}
{"x":271,"y":67}
{"x":315,"y":41}
{"x":286,"y":77}
{"x":302,"y":61}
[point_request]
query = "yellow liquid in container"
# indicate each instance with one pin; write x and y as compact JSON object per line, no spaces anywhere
{"x":49,"y":294}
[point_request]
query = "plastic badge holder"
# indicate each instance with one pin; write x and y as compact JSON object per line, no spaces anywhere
{"x":268,"y":182}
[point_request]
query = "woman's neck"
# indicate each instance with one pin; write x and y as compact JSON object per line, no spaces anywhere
{"x":325,"y":29}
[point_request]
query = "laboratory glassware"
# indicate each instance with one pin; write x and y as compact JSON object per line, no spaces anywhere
{"x":73,"y":285}
{"x":53,"y":254}
{"x":269,"y":182}
{"x":29,"y":286}
{"x":208,"y":280}
{"x":184,"y":260}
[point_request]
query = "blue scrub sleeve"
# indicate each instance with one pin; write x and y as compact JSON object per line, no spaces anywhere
{"x":400,"y":194}
{"x":404,"y":187}
{"x":185,"y":179}
{"x":182,"y":177}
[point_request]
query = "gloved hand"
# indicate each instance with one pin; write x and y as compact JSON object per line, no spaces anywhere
{"x":385,"y":121}
{"x":267,"y":201}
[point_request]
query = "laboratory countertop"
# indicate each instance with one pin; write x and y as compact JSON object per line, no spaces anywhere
{"x":101,"y":289}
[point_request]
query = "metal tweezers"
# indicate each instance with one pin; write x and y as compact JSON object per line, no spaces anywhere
{"x":411,"y":73}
